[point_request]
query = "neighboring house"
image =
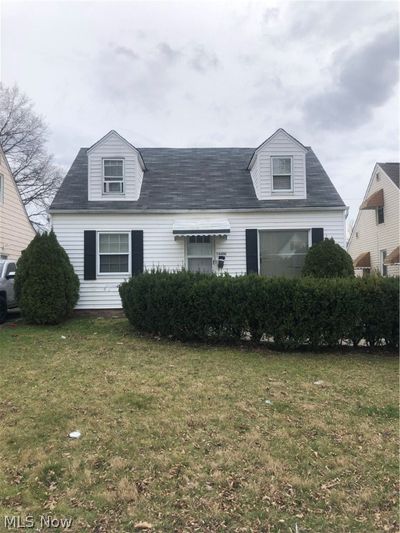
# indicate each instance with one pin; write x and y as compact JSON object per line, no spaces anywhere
{"x":374,"y":240}
{"x":16,"y":231}
{"x":121,"y":210}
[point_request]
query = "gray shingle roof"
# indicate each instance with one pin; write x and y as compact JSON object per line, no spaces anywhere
{"x":195,"y":178}
{"x":392,"y":170}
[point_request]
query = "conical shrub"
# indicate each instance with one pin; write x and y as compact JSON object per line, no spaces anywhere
{"x":46,"y":286}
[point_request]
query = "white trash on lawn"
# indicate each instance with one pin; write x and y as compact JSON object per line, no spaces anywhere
{"x":319,"y":382}
{"x":74,"y":435}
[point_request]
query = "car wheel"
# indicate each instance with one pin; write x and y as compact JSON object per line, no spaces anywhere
{"x":3,"y":309}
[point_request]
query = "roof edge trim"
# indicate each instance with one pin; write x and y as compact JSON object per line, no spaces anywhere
{"x":114,"y":132}
{"x":279,"y":130}
{"x":170,"y":211}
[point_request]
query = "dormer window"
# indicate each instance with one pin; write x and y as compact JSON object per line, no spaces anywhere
{"x":113,"y":176}
{"x":282,"y":174}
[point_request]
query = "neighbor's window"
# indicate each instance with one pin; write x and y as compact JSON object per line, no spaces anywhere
{"x":113,"y":176}
{"x":199,"y":253}
{"x":380,"y":215}
{"x":281,"y":174}
{"x":1,"y":188}
{"x":383,"y":266}
{"x":282,"y":253}
{"x":114,"y":253}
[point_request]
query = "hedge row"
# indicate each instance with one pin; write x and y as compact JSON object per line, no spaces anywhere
{"x":291,"y":312}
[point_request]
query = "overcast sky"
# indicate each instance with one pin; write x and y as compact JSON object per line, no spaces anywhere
{"x":213,"y":74}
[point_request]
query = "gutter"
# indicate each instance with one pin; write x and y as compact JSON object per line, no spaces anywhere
{"x":171,"y":211}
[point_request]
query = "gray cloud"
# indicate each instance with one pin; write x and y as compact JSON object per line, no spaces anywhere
{"x":201,"y":60}
{"x":171,"y":55}
{"x":125,"y":52}
{"x":322,"y":21}
{"x":363,"y":80}
{"x":271,"y":14}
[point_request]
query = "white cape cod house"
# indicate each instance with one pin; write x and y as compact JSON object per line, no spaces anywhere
{"x":121,"y":210}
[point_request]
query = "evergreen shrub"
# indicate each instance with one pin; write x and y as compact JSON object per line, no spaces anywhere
{"x":327,"y":259}
{"x":46,"y":286}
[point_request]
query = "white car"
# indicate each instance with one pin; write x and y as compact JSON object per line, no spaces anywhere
{"x":7,"y":296}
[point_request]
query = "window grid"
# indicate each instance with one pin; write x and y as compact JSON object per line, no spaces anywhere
{"x":114,"y":253}
{"x":380,"y":215}
{"x":281,"y":174}
{"x":113,"y":176}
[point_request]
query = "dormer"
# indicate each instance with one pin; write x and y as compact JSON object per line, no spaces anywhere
{"x":278,"y":168}
{"x":115,"y":169}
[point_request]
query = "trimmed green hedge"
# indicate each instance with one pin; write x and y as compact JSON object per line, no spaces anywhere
{"x":291,"y":312}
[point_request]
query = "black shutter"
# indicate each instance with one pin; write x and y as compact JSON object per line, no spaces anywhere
{"x":317,"y":235}
{"x":137,"y":251}
{"x":89,"y":255}
{"x":251,"y":251}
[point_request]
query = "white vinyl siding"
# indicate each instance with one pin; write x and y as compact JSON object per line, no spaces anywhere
{"x":280,"y":145}
{"x":367,"y":235}
{"x":113,"y":147}
{"x":163,"y":251}
{"x":16,"y":232}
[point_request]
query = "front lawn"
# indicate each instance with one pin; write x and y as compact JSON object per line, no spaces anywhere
{"x":193,"y":438}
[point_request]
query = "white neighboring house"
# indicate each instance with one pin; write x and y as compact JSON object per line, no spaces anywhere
{"x":16,"y":231}
{"x":374,"y":240}
{"x":121,"y":210}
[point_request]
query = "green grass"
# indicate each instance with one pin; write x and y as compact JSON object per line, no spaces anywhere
{"x":181,"y":437}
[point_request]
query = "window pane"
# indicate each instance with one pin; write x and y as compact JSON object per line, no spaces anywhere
{"x":113,"y":168}
{"x":281,"y":165}
{"x":282,"y":183}
{"x":380,"y":215}
{"x":200,"y":265}
{"x":114,"y":243}
{"x":283,"y":252}
{"x":113,"y":187}
{"x":383,"y":266}
{"x":199,"y":248}
{"x":114,"y":263}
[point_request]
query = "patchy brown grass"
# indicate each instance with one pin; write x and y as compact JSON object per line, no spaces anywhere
{"x":181,"y":438}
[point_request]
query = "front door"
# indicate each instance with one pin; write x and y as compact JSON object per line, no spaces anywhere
{"x":199,"y":253}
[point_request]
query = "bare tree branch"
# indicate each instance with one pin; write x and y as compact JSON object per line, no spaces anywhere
{"x":23,"y":138}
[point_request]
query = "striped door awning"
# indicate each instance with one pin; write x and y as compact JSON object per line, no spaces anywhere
{"x":188,"y":228}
